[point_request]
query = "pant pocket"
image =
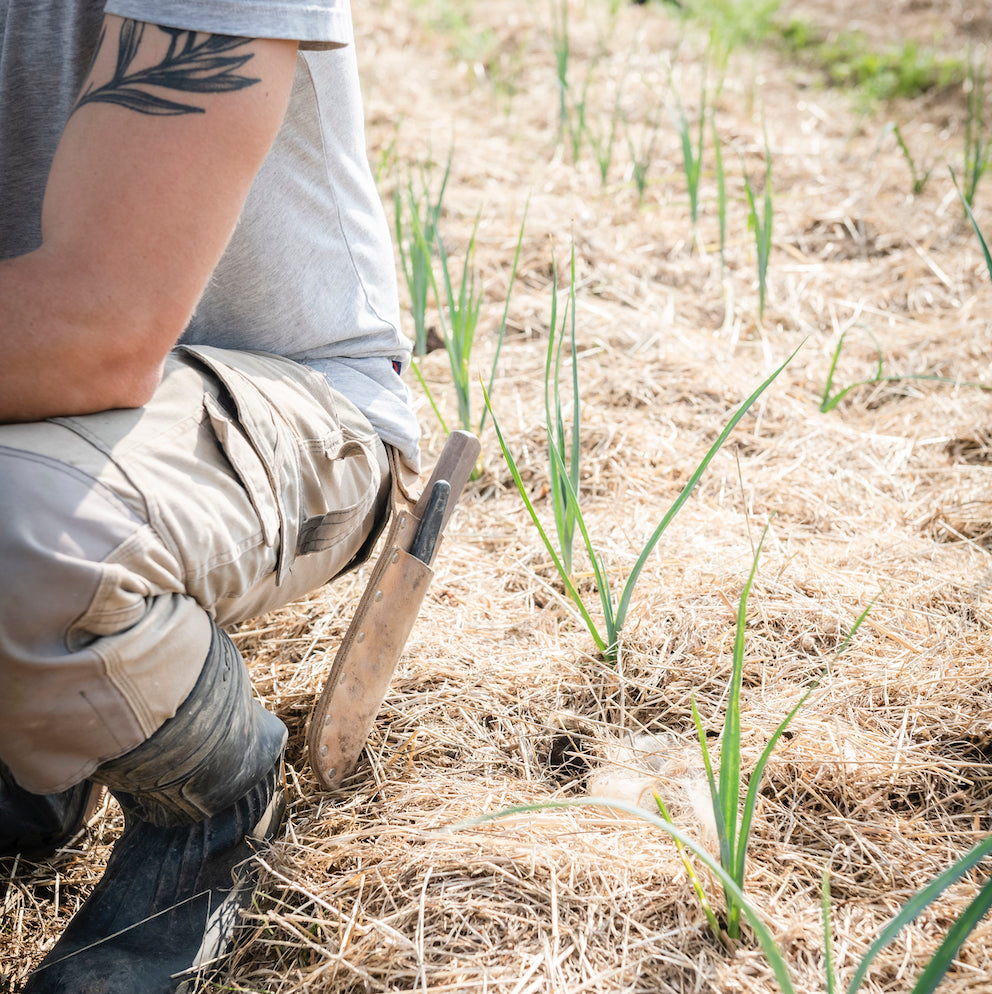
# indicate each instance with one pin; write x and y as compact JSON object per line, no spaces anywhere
{"x":347,"y":501}
{"x":249,"y":468}
{"x":259,"y":447}
{"x":303,"y":453}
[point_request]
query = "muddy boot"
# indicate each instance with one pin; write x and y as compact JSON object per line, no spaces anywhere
{"x":36,"y":825}
{"x":200,"y":797}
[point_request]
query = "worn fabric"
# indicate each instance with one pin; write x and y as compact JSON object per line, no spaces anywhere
{"x":309,"y":272}
{"x":244,"y":484}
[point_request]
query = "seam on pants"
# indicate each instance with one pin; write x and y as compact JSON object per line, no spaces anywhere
{"x":135,"y":462}
{"x":152,"y":516}
{"x":104,"y":492}
{"x":101,"y":618}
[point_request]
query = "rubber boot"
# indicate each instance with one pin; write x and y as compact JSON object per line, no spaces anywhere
{"x":200,"y":798}
{"x":37,"y":825}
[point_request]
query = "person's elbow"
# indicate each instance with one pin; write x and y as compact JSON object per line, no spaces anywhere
{"x":133,"y":384}
{"x":115,"y":354}
{"x":130,"y":358}
{"x":79,"y":339}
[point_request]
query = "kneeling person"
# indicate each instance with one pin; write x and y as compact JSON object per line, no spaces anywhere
{"x":201,"y":415}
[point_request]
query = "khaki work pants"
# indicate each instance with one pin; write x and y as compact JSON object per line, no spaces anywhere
{"x":245,"y":483}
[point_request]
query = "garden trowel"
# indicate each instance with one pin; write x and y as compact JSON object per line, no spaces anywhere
{"x":371,"y":648}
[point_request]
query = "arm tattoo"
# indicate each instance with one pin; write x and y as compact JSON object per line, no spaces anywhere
{"x":189,"y":66}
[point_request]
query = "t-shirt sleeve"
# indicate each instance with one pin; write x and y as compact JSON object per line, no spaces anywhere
{"x":313,"y":23}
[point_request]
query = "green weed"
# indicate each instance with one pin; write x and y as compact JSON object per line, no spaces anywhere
{"x":848,"y":60}
{"x":918,"y":176}
{"x":829,"y":400}
{"x":845,"y":59}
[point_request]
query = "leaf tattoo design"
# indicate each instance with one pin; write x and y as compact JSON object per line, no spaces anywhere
{"x":189,"y":66}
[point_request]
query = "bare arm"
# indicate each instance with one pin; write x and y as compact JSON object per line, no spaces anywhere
{"x":150,"y":175}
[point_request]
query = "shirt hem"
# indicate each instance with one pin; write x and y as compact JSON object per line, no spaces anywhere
{"x":311,"y":25}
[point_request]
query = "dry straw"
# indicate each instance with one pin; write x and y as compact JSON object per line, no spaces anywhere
{"x":884,"y":775}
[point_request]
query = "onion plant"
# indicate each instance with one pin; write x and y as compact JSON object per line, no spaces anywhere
{"x":919,"y":176}
{"x":721,"y":194}
{"x":416,"y":248}
{"x":761,"y":227}
{"x":976,"y":142}
{"x":603,"y":142}
{"x":561,"y":44}
{"x":692,"y":157}
{"x":974,"y":224}
{"x":575,"y":119}
{"x":571,"y":109}
{"x":692,"y":154}
{"x":733,"y":819}
{"x":642,"y":153}
{"x":458,"y":316}
{"x":458,"y":329}
{"x":829,"y":400}
{"x":930,"y":977}
{"x":563,"y":469}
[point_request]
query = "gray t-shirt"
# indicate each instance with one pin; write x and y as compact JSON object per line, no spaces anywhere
{"x":309,"y":271}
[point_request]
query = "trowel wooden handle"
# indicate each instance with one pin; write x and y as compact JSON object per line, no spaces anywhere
{"x":455,"y":464}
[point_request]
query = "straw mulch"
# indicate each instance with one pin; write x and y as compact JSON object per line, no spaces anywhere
{"x":500,"y":699}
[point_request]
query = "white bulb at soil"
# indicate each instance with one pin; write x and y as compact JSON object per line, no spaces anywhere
{"x":634,"y":768}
